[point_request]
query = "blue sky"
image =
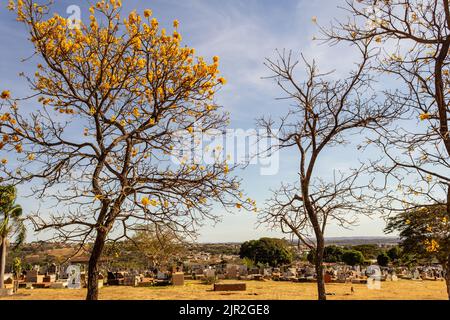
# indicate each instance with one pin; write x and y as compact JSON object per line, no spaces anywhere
{"x":243,"y":34}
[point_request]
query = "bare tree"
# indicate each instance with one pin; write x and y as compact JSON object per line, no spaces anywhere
{"x":159,"y":246}
{"x":324,"y":112}
{"x":116,"y":94}
{"x":415,"y":41}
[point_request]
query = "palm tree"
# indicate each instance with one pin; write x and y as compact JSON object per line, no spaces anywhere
{"x":11,"y":225}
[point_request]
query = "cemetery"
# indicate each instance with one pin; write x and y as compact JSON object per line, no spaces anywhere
{"x":123,"y":157}
{"x":233,"y":281}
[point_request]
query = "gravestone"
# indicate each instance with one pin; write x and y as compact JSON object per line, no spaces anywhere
{"x":243,"y":271}
{"x":341,"y":275}
{"x":6,"y":292}
{"x":50,"y":278}
{"x":267,"y":272}
{"x":209,"y":273}
{"x":309,"y":272}
{"x":292,"y":272}
{"x":254,"y":271}
{"x":34,"y":276}
{"x":131,"y":281}
{"x":178,"y":279}
{"x":52,"y":269}
{"x":232,"y":272}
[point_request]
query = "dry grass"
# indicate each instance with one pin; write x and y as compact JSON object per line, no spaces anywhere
{"x":269,"y":290}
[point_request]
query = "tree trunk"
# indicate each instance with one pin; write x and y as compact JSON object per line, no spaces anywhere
{"x":447,"y":276}
{"x":2,"y":262}
{"x":92,"y":284}
{"x":446,"y":264}
{"x":319,"y":271}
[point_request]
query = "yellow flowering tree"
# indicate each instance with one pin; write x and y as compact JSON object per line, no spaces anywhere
{"x":112,"y":97}
{"x":424,"y":232}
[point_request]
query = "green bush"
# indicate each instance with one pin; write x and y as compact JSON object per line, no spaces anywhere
{"x":353,"y":257}
{"x":267,"y":251}
{"x":383,"y":259}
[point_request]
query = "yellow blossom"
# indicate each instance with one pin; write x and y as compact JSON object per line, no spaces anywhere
{"x":148,"y":13}
{"x":6,"y":94}
{"x":431,"y":246}
{"x":145,"y":201}
{"x":19,"y":148}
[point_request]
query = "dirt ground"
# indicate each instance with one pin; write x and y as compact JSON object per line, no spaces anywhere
{"x":268,"y":290}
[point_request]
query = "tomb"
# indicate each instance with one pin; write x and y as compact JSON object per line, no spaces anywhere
{"x":115,"y":279}
{"x":327,"y":278}
{"x":6,"y":292}
{"x":230,"y":287}
{"x":34,"y":277}
{"x":50,"y":278}
{"x":58,"y":285}
{"x":232,"y":272}
{"x":267,"y":273}
{"x":131,"y":281}
{"x":178,"y":279}
{"x":209,"y":273}
{"x":161,"y":276}
{"x":243,"y":271}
